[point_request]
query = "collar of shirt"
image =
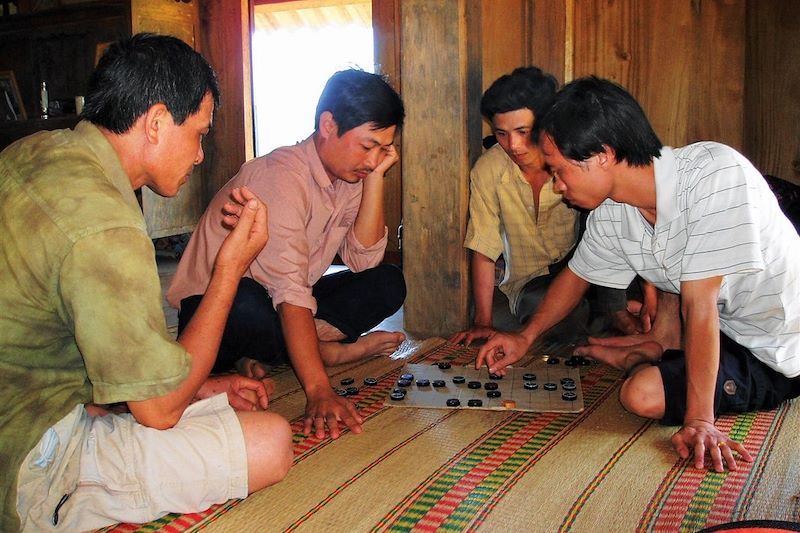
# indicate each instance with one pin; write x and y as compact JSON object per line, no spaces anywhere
{"x":109,"y":160}
{"x":549,"y":198}
{"x":634,"y":225}
{"x":315,"y":163}
{"x":512,"y":169}
{"x":666,"y":176}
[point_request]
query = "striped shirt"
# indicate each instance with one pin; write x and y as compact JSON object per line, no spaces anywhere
{"x":502,"y":220}
{"x":715,"y":216}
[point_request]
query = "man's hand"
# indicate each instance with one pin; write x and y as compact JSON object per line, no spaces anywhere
{"x":244,"y":394}
{"x":475,"y":333}
{"x":246,"y":215}
{"x":327,"y":408}
{"x":637,"y":318}
{"x":699,"y":437}
{"x":649,"y":307}
{"x":500,"y":351}
{"x":390,"y":157}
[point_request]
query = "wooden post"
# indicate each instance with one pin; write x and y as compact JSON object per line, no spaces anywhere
{"x":440,"y":64}
{"x":226,"y":45}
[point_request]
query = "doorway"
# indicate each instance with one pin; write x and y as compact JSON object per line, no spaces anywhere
{"x":296,"y":46}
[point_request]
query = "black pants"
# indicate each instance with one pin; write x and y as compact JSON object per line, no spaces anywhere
{"x":352,"y":302}
{"x":744,"y":383}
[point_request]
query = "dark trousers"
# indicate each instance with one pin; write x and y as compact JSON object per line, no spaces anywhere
{"x":352,"y":302}
{"x":743,"y":383}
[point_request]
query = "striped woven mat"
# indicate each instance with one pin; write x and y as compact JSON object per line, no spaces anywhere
{"x":465,"y":470}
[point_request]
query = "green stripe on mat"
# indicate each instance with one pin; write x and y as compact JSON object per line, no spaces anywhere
{"x":689,"y":499}
{"x":441,"y":503}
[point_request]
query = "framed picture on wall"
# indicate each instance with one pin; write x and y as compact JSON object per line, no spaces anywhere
{"x":11,"y":107}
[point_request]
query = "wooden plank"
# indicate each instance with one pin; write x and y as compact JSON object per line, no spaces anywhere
{"x":226,"y":45}
{"x":505,"y":34}
{"x":691,"y":85}
{"x":772,"y":113}
{"x":386,"y":31}
{"x":548,"y":38}
{"x":716,"y":104}
{"x":440,"y":63}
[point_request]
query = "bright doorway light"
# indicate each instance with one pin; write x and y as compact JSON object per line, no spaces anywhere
{"x":296,"y":47}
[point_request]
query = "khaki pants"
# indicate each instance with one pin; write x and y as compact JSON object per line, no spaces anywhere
{"x":90,"y":472}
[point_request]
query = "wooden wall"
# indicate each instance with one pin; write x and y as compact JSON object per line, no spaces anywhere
{"x":441,"y":142}
{"x":727,"y":70}
{"x":226,"y":45}
{"x":772,"y":87}
{"x":386,"y":29}
{"x":682,"y":59}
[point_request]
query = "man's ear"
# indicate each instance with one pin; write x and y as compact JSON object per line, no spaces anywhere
{"x":607,"y":157}
{"x":327,"y":125}
{"x":154,"y":119}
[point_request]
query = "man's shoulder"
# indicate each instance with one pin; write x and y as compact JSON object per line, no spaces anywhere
{"x":703,"y":167}
{"x":704,"y":153}
{"x":287,"y":163}
{"x":64,"y":180}
{"x":493,"y":163}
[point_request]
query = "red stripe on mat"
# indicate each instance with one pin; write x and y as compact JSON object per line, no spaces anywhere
{"x":370,"y":403}
{"x":692,"y":499}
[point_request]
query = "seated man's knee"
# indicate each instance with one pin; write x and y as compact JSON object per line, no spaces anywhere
{"x":252,"y":300}
{"x":268,"y":440}
{"x":643,"y":393}
{"x":394,"y":281}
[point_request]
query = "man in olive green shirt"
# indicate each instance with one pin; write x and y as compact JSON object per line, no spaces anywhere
{"x":81,"y":322}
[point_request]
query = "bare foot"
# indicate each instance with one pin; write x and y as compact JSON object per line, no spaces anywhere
{"x":623,"y":357}
{"x":666,"y":328}
{"x":375,"y":343}
{"x":326,"y":332}
{"x":252,"y":368}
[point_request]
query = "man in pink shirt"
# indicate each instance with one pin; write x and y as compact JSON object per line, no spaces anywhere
{"x":324,"y":197}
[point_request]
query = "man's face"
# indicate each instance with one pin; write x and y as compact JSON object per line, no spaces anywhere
{"x":582,"y":183}
{"x":179,"y":149}
{"x":513,"y":133}
{"x":355,"y":154}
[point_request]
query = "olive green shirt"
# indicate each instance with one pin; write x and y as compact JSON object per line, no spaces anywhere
{"x":503,"y":220}
{"x":81,"y":318}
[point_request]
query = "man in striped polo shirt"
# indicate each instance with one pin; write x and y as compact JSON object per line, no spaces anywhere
{"x":701,"y":224}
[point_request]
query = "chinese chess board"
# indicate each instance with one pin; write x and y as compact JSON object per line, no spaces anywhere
{"x":540,"y":387}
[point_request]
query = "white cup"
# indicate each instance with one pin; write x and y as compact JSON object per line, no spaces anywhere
{"x":78,"y":105}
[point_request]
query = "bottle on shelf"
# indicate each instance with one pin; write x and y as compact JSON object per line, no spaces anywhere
{"x":44,"y":101}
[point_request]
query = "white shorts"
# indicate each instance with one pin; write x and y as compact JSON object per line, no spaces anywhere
{"x":127,"y":472}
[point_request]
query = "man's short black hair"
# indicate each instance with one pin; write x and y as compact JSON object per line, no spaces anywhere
{"x":355,"y":97}
{"x":145,"y":69}
{"x":589,"y":114}
{"x":524,"y":88}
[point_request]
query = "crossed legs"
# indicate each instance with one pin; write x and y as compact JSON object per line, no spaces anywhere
{"x":348,"y":304}
{"x":642,"y":393}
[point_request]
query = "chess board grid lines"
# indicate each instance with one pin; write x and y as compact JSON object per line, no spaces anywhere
{"x":510,"y":387}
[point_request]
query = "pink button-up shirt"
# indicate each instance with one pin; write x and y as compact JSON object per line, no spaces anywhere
{"x":310,"y":221}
